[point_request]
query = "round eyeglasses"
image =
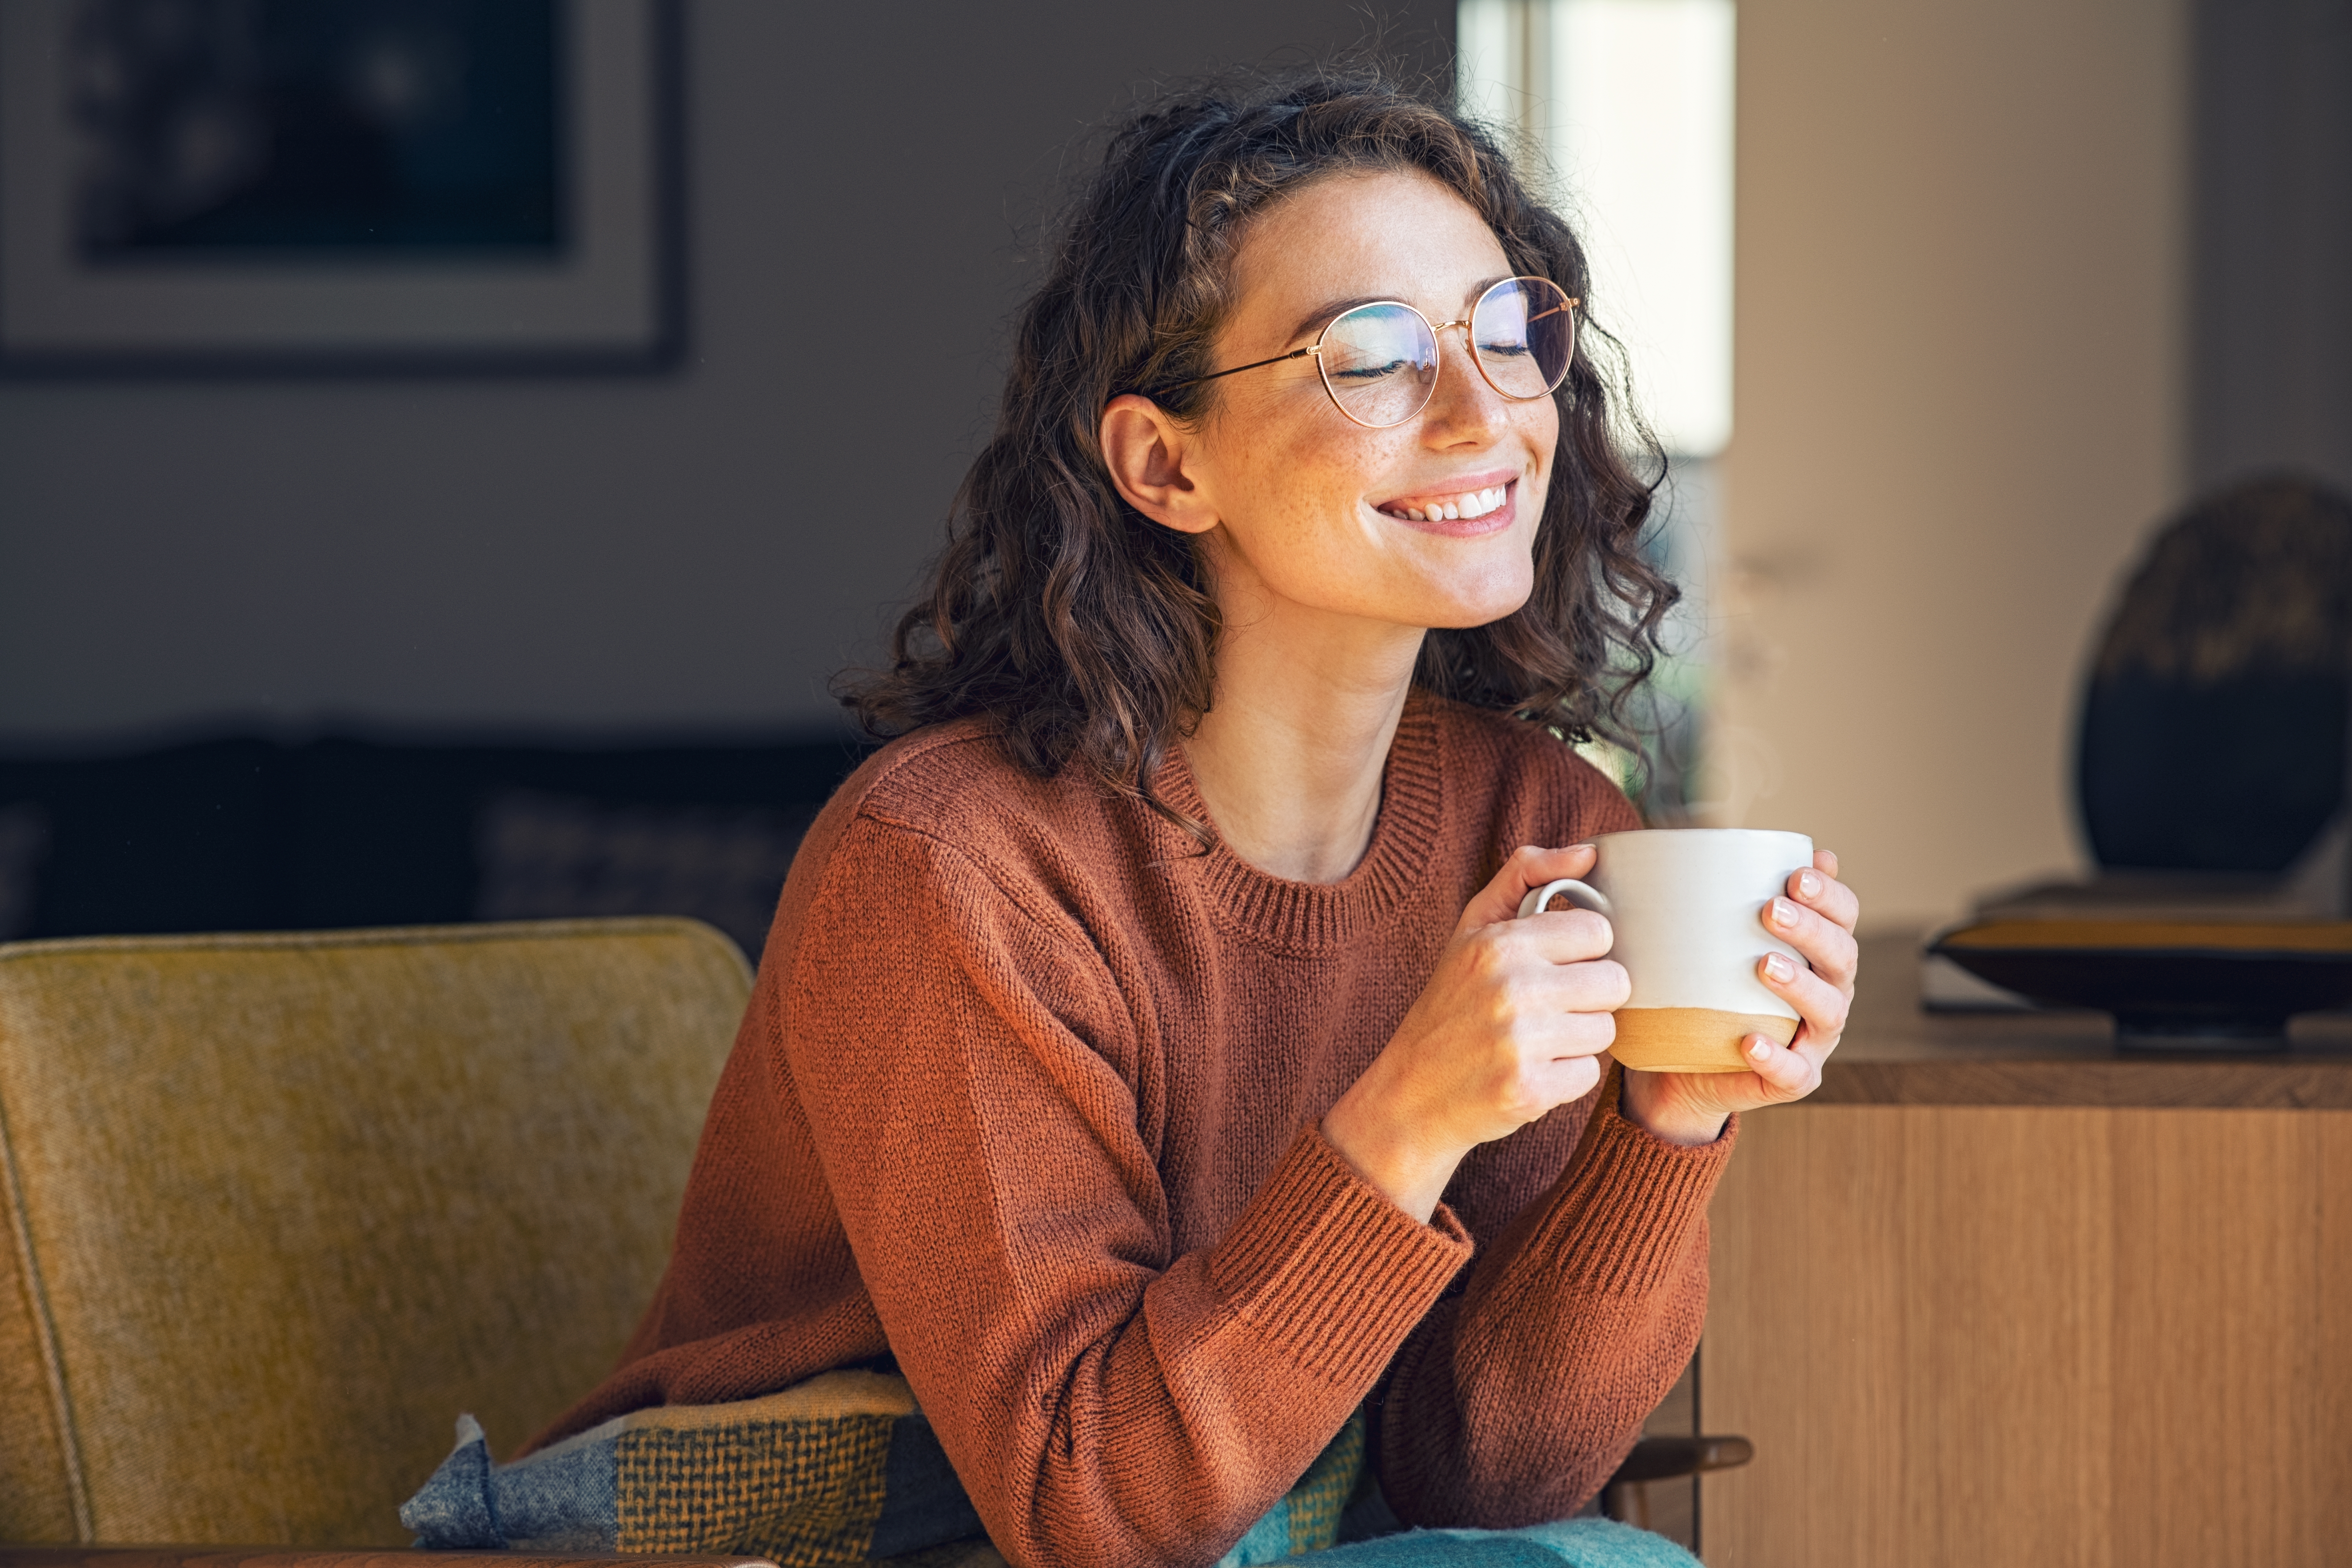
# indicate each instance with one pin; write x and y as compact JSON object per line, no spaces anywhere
{"x":1378,"y":362}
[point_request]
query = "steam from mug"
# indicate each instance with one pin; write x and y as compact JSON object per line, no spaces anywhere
{"x":1687,"y":908}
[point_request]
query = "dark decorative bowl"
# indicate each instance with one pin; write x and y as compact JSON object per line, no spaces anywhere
{"x":2171,"y":984}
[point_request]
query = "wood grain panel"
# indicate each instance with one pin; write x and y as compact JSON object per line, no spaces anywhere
{"x":1806,"y":1362}
{"x":1962,"y":1335}
{"x":2287,"y":1081}
{"x":2234,"y":1424}
{"x":2007,"y":1291}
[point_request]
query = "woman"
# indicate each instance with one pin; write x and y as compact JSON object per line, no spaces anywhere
{"x":1143,"y":1054}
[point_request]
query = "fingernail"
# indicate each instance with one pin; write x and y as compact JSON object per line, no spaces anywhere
{"x":1777,"y":966}
{"x":1784,"y":913}
{"x":1809,"y":885}
{"x":1760,"y":1048}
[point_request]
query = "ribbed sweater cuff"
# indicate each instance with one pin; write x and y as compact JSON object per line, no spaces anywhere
{"x":1628,"y":1206}
{"x":1326,"y":1266}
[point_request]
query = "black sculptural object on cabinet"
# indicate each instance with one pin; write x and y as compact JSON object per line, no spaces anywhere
{"x":2214,"y":726}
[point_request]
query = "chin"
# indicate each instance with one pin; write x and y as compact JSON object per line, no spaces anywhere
{"x":1481,"y":603}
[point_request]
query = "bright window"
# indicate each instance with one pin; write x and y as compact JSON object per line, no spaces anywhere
{"x":1623,"y":110}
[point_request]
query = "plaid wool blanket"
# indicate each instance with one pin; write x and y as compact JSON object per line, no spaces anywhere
{"x":844,"y":1468}
{"x":841,"y":1469}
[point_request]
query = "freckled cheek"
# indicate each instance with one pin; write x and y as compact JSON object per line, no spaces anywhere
{"x":1330,"y":475}
{"x":1542,"y":431}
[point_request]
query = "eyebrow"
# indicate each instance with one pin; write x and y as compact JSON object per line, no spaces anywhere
{"x":1316,"y":320}
{"x":1322,"y":316}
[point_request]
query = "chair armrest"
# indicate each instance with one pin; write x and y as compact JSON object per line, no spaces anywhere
{"x":1664,"y":1458}
{"x":1626,"y":1497}
{"x":342,"y":1557}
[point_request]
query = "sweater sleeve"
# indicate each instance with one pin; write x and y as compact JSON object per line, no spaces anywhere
{"x":1512,"y":1403}
{"x":1103,"y":1402}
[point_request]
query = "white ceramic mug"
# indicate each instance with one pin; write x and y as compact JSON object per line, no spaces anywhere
{"x":1686,"y":906}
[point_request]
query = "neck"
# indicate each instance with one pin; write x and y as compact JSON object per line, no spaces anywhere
{"x":1289,"y":758}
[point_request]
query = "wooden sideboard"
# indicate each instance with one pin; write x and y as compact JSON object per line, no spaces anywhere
{"x":1999,"y":1295}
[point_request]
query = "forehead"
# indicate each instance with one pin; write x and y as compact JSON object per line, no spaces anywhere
{"x":1391,"y":235}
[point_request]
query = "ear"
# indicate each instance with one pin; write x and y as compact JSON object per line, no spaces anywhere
{"x":1150,"y":458}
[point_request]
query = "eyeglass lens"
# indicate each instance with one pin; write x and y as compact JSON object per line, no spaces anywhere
{"x":1380,"y":361}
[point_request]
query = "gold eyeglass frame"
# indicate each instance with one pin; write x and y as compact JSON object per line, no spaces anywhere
{"x":1568,"y":302}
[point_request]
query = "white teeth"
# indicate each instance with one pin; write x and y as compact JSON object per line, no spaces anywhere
{"x":1471,"y":504}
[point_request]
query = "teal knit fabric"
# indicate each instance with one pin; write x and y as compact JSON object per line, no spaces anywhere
{"x":1572,"y":1542}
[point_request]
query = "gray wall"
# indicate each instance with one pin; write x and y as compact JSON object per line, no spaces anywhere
{"x":2271,"y":310}
{"x":696,"y":551}
{"x":1959,"y":370}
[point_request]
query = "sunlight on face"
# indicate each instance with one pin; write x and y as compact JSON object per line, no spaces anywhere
{"x":1431,"y":523}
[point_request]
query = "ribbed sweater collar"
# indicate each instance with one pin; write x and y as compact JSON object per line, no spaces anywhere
{"x":1316,"y":917}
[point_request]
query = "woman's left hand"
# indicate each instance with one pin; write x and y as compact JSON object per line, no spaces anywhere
{"x":1817,"y":918}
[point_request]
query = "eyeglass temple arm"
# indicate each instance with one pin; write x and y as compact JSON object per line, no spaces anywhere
{"x":1221,"y":374}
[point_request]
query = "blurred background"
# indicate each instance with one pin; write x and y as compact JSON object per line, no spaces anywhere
{"x":445,"y":449}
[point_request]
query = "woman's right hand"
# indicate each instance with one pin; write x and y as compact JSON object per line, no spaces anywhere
{"x":1512,"y":1024}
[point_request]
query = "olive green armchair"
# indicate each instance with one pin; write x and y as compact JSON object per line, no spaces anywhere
{"x":278,"y":1208}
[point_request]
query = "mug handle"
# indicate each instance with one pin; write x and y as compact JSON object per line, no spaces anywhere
{"x":1583,"y":895}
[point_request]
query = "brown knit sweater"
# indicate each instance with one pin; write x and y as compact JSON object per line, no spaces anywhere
{"x":1028,"y":1097}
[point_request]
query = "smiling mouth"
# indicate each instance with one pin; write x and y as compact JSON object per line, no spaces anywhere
{"x":1449,"y":508}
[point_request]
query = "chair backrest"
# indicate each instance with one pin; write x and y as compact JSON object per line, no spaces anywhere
{"x":282,"y":1206}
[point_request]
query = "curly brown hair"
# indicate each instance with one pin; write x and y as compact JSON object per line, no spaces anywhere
{"x":1088,"y":632}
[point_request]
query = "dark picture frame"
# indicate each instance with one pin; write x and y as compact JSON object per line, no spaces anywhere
{"x":340,"y":187}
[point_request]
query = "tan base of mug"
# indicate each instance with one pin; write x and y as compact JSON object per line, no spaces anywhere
{"x":1691,"y":1039}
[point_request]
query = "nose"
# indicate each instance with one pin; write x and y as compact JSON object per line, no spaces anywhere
{"x":1465,"y":404}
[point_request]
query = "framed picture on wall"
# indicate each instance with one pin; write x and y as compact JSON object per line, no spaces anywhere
{"x":337,"y":185}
